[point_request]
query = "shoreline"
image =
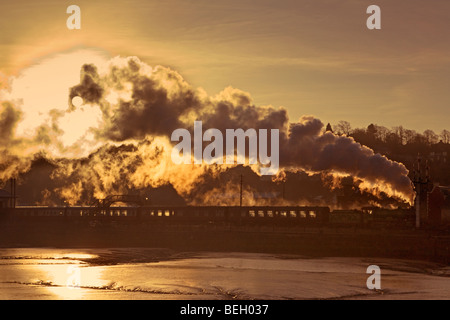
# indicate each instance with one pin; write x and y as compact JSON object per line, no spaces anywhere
{"x":307,"y":242}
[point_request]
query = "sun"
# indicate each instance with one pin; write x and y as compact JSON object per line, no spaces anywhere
{"x":77,"y":101}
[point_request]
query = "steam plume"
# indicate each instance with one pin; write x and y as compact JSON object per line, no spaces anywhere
{"x":139,"y":106}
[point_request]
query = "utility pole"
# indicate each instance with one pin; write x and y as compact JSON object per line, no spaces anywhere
{"x":240,"y":194}
{"x":420,"y":184}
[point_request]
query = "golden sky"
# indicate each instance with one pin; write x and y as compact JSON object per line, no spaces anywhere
{"x":311,"y":56}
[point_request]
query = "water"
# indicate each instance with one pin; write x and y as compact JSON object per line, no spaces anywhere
{"x":159,"y":274}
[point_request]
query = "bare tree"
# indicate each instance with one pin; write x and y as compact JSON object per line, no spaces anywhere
{"x":343,"y":127}
{"x":381,"y":133}
{"x":400,"y":132}
{"x":410,"y":135}
{"x":445,"y":136}
{"x":430,"y":136}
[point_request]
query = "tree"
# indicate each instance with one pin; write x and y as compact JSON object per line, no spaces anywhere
{"x":410,"y":136}
{"x":371,"y":130}
{"x":445,"y":136}
{"x":329,"y":128}
{"x":381,"y":133}
{"x":430,"y":137}
{"x":400,"y":132}
{"x":343,"y":127}
{"x":393,"y":139}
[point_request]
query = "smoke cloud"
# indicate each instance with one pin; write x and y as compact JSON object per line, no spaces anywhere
{"x":137,"y":107}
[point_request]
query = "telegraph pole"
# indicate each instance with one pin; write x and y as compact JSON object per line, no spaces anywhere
{"x":420,"y":184}
{"x":240,"y":194}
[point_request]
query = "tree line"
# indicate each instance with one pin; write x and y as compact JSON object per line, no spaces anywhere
{"x":406,"y":146}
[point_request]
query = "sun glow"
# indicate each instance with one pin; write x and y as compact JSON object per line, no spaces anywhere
{"x":41,"y":91}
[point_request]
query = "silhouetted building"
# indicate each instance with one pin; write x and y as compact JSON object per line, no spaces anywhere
{"x":442,"y":202}
{"x":439,"y":153}
{"x":435,"y":201}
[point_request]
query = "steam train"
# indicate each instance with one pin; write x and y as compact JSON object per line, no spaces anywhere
{"x":218,"y":215}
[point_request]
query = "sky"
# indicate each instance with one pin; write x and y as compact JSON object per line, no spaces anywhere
{"x":311,"y":57}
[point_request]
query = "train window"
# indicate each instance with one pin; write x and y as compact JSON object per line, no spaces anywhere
{"x":302,"y":214}
{"x":269,"y":214}
{"x":283,"y":214}
{"x":293,"y":214}
{"x":251,"y":213}
{"x":167,"y":213}
{"x":160,"y":213}
{"x":312,"y":214}
{"x":261,"y":214}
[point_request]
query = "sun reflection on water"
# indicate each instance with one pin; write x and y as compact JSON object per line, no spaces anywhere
{"x":67,"y":278}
